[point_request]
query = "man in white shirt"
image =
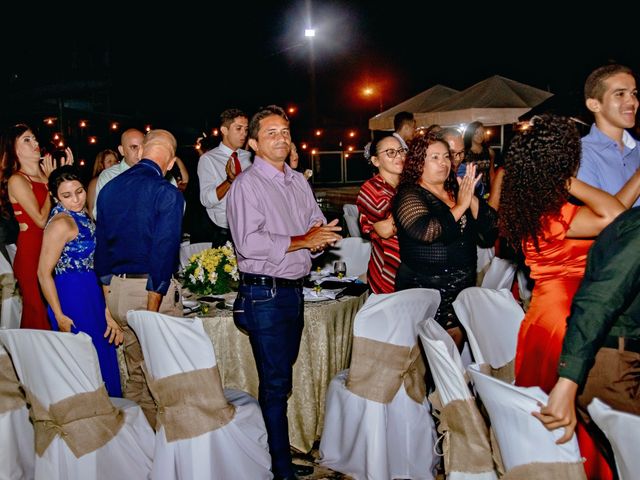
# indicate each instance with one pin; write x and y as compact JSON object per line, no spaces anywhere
{"x":219,"y":167}
{"x":405,"y":127}
{"x":130,"y":142}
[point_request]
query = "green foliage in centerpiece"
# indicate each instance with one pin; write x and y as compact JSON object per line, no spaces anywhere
{"x":212,"y":271}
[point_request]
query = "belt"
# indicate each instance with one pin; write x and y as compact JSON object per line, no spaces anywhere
{"x":268,"y":281}
{"x":132,"y":275}
{"x":623,"y":343}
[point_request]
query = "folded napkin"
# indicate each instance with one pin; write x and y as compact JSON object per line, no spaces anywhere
{"x":324,"y":293}
{"x":336,"y":279}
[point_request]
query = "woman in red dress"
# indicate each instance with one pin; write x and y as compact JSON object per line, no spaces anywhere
{"x":23,"y":187}
{"x":374,"y":207}
{"x":555,"y":235}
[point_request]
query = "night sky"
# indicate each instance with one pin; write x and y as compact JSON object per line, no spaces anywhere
{"x":179,"y":68}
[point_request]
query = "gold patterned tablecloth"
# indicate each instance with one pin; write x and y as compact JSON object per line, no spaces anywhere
{"x":325,"y":349}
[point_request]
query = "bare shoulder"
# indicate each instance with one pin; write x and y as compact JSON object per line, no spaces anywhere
{"x":62,"y":226}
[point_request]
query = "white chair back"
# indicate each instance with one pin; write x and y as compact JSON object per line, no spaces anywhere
{"x":17,"y":454}
{"x":54,"y":366}
{"x":623,"y":432}
{"x":11,"y":309}
{"x":239,"y":448}
{"x":351,"y":218}
{"x":187,"y":250}
{"x":374,"y":440}
{"x":500,"y":274}
{"x":354,"y":251}
{"x":492,"y":320}
{"x":522,"y":437}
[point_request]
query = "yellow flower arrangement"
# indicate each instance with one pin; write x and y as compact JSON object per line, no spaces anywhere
{"x":212,"y":271}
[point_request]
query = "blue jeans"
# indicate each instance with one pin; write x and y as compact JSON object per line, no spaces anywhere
{"x":273,"y":319}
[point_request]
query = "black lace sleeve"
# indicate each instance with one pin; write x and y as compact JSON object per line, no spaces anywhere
{"x":419,"y":217}
{"x":486,"y":225}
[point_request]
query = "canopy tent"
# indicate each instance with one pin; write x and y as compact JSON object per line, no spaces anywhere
{"x":423,"y":102}
{"x":494,"y":101}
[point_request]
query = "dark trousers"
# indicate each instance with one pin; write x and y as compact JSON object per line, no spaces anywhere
{"x":220,"y":236}
{"x":273,"y":318}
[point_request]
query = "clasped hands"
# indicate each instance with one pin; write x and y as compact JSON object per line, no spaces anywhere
{"x":321,"y":236}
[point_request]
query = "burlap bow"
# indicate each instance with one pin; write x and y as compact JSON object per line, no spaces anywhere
{"x":378,"y":370}
{"x":85,"y":421}
{"x":11,"y":397}
{"x":190,"y":403}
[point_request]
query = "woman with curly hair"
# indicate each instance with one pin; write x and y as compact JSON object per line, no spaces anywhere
{"x":440,"y":222}
{"x":535,"y":212}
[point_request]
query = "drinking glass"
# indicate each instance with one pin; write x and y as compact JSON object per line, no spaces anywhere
{"x":339,"y":269}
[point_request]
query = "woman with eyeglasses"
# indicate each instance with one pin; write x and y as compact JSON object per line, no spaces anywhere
{"x":374,"y":206}
{"x":440,"y":222}
{"x":23,"y":187}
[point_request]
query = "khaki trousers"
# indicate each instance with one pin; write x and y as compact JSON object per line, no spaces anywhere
{"x":130,"y":294}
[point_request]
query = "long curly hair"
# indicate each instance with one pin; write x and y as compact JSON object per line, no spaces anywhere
{"x":9,"y":163}
{"x":414,"y":163}
{"x":538,"y":164}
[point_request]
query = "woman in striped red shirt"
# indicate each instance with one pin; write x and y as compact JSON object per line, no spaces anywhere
{"x":376,"y":220}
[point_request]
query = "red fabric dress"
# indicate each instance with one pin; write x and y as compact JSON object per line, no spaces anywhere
{"x":25,"y":265}
{"x":558,"y":269}
{"x":374,"y":205}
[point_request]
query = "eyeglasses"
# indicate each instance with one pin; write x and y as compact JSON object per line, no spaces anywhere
{"x":392,"y":152}
{"x":457,"y":154}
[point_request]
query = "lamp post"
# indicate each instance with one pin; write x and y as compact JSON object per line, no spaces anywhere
{"x":310,"y":34}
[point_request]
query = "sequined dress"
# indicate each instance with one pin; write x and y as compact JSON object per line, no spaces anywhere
{"x":81,"y":297}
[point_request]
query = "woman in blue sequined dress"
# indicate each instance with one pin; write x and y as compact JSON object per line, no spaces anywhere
{"x":76,"y":301}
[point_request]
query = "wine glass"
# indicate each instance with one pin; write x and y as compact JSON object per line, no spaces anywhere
{"x":339,"y":269}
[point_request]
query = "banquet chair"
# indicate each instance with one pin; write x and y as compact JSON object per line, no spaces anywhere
{"x":351,"y":216}
{"x":187,"y":250}
{"x":354,"y":251}
{"x":11,"y":306}
{"x":378,"y":423}
{"x":500,"y":274}
{"x":17,"y":455}
{"x":491,"y":319}
{"x":527,"y":448}
{"x":203,"y":432}
{"x":79,"y":433}
{"x":485,"y":255}
{"x":467,"y":448}
{"x":622,"y":429}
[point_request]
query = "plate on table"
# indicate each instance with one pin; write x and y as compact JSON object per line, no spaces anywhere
{"x":311,"y":298}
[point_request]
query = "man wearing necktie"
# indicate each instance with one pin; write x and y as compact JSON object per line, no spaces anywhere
{"x":219,"y":167}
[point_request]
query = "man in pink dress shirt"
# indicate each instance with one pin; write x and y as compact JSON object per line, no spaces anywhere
{"x":277,"y":226}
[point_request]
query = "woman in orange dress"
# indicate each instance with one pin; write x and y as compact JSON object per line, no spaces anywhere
{"x":23,"y":187}
{"x":555,"y":235}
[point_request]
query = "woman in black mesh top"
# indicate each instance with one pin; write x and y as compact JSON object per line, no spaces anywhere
{"x":440,"y":222}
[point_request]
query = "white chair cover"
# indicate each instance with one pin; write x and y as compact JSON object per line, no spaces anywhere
{"x":523,"y":289}
{"x":186,"y":250}
{"x":623,"y":432}
{"x":354,"y":251}
{"x":351,"y":216}
{"x":500,"y":274}
{"x":491,"y":319}
{"x":522,"y":437}
{"x":485,"y":255}
{"x":17,"y":454}
{"x":55,"y":366}
{"x":238,"y":449}
{"x":11,"y":309}
{"x":447,"y":371}
{"x":372,"y":440}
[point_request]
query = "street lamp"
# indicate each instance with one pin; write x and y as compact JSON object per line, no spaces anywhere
{"x":310,"y":34}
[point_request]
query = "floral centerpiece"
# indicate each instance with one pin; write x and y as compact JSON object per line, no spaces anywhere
{"x":212,"y":271}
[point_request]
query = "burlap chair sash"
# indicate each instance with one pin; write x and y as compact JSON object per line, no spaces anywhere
{"x":7,"y":285}
{"x":466,"y":444}
{"x":85,"y":421}
{"x":506,"y":373}
{"x":11,"y":397}
{"x":190,"y":403}
{"x":378,"y":370}
{"x":545,"y":471}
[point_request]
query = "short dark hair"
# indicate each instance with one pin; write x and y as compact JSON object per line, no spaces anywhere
{"x":401,"y":118}
{"x":594,"y":86}
{"x":448,"y":132}
{"x":65,"y":173}
{"x":264,"y":112}
{"x":229,"y":115}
